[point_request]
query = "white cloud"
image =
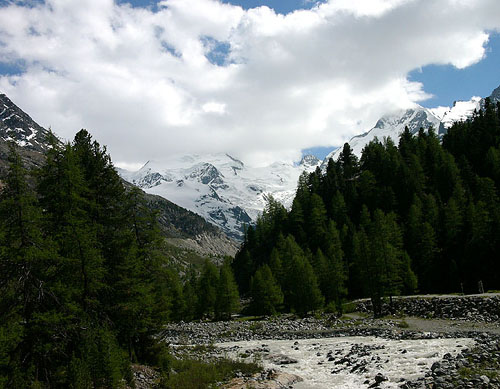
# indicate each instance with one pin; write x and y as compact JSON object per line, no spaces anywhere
{"x":146,"y":82}
{"x":214,"y":107}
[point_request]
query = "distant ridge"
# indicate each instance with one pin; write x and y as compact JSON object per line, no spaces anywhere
{"x":180,"y":226}
{"x":392,"y":125}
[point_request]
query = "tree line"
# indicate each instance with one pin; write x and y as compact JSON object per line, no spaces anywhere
{"x":84,"y":284}
{"x":421,"y":216}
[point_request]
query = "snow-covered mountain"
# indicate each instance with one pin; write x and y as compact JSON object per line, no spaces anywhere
{"x":495,"y":95}
{"x":392,"y":125}
{"x":18,"y":127}
{"x":186,"y":231}
{"x":219,"y":187}
{"x":461,"y":110}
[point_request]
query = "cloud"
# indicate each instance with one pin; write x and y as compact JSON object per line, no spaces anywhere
{"x":191,"y":76}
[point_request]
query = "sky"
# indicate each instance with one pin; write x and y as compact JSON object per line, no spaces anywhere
{"x":263,"y":80}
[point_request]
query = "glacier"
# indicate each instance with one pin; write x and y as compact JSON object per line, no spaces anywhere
{"x":221,"y":188}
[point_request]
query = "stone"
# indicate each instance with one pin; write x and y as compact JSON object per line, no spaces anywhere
{"x":380,"y":378}
{"x":485,"y":379}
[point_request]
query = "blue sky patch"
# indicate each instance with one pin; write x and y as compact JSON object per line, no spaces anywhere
{"x":12,"y":68}
{"x":320,"y":152}
{"x":217,"y":51}
{"x":449,"y":84}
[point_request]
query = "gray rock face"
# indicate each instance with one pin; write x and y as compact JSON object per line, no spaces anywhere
{"x":495,"y":95}
{"x":309,"y":161}
{"x":183,"y":228}
{"x":18,"y":126}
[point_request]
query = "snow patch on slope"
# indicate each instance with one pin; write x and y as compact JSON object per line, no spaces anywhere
{"x":391,"y":126}
{"x":461,"y":110}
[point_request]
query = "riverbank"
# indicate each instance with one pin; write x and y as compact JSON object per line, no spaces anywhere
{"x":474,"y":366}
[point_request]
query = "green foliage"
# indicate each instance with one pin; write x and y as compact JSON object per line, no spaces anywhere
{"x":302,"y":293}
{"x":419,"y":216}
{"x":194,"y":374}
{"x":83,"y":284}
{"x":265,"y":292}
{"x":207,"y":289}
{"x":227,"y":297}
{"x":191,"y":372}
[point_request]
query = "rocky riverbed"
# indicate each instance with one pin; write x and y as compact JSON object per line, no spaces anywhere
{"x":452,"y":355}
{"x":348,"y":362}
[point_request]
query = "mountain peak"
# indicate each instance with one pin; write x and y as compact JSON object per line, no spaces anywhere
{"x":390,"y":126}
{"x":309,"y":160}
{"x":495,"y":95}
{"x":19,"y":127}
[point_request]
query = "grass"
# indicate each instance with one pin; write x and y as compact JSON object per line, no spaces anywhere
{"x":349,"y":307}
{"x":467,"y":372}
{"x":255,"y":326}
{"x":193,"y":374}
{"x":402,"y":324}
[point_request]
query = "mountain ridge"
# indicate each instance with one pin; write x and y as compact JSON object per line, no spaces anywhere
{"x":441,"y":118}
{"x":178,"y":225}
{"x":220,"y":187}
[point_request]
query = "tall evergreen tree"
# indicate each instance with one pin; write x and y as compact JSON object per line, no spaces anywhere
{"x":207,"y":289}
{"x":227,"y":299}
{"x":27,"y":262}
{"x":266,"y":292}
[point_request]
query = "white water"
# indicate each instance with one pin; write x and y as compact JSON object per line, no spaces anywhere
{"x":384,"y":356}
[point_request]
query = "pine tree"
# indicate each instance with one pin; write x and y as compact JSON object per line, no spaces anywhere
{"x":336,"y":269}
{"x":62,"y":195}
{"x":227,"y":298}
{"x":27,"y":259}
{"x":316,"y":222}
{"x":190,"y":296}
{"x":266,"y":292}
{"x":301,"y":290}
{"x":207,"y":289}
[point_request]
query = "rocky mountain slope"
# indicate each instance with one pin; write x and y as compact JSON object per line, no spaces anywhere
{"x":17,"y":126}
{"x":391,"y":126}
{"x":180,"y":227}
{"x":219,"y":187}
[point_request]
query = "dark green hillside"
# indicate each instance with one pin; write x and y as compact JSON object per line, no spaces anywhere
{"x":421,"y":216}
{"x":85,"y":282}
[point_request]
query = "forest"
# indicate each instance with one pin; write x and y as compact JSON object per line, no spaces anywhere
{"x":85,"y":284}
{"x":421,"y":216}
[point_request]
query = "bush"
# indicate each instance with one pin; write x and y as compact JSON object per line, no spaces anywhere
{"x":194,"y":374}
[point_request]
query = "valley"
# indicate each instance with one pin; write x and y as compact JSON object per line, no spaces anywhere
{"x":354,"y":350}
{"x":250,"y":194}
{"x":348,"y":230}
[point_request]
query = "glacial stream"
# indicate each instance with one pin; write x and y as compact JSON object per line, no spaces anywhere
{"x":347,"y":362}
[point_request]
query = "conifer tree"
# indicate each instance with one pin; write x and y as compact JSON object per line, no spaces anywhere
{"x":227,"y":298}
{"x":27,"y":259}
{"x":266,"y":292}
{"x":336,"y":270}
{"x":301,"y":290}
{"x":207,"y":289}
